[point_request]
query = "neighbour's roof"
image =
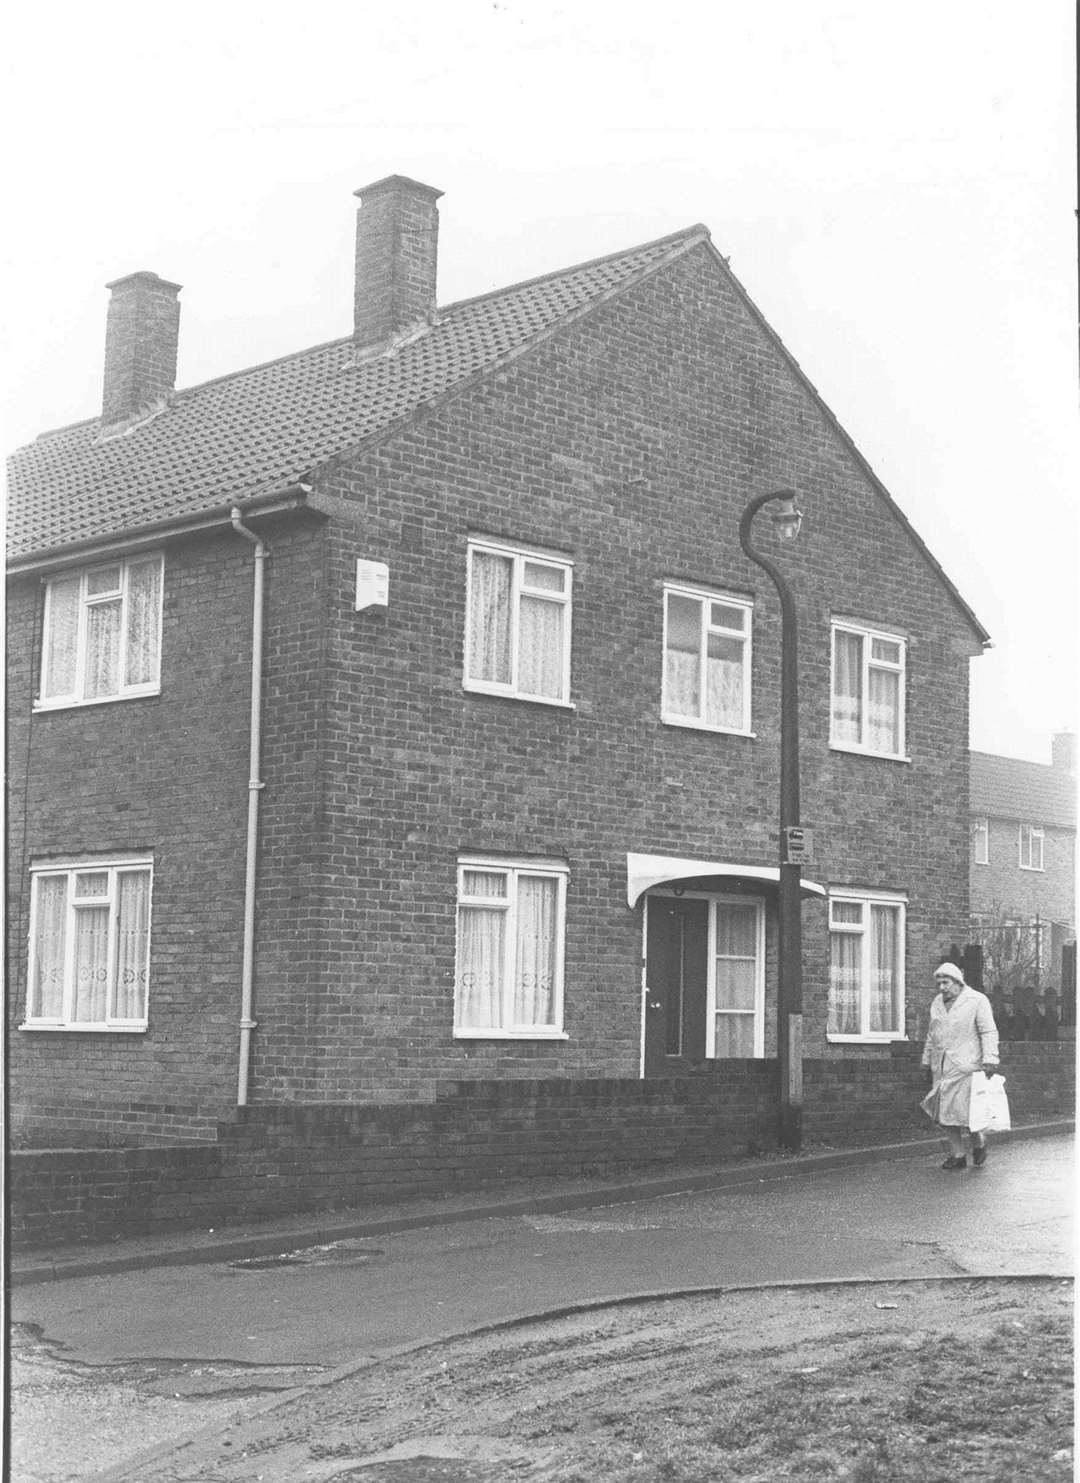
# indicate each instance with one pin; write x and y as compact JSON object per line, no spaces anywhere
{"x":1028,"y":792}
{"x":257,"y":431}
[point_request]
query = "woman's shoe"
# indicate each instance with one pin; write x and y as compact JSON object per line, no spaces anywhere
{"x":955,"y":1161}
{"x":978,"y":1155}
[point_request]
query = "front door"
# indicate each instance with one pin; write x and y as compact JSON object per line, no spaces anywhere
{"x":676,"y":976}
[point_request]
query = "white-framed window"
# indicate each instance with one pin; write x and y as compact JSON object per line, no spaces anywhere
{"x":89,"y":958}
{"x":866,"y":966}
{"x":980,"y":834}
{"x":518,"y":614}
{"x":1032,"y":840}
{"x":102,"y":633}
{"x":868,"y":690}
{"x":511,"y":925}
{"x":707,"y":638}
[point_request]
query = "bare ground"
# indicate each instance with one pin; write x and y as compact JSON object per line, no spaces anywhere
{"x":902,"y":1383}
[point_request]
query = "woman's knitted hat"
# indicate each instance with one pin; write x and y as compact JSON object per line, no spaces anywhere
{"x":949,"y":970}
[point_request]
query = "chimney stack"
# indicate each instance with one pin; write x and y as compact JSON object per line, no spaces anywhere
{"x":1063,"y":752}
{"x":397,"y":238}
{"x":141,"y":337}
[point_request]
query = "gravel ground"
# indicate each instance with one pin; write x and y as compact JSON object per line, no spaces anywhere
{"x":876,"y":1383}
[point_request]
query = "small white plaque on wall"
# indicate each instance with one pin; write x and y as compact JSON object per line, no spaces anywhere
{"x":372,"y":584}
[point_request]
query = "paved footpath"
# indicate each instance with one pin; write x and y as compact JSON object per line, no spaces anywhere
{"x":370,"y":1287}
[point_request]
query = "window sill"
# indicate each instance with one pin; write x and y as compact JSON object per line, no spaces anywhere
{"x":868,"y":752}
{"x":882,"y":1039}
{"x":86,"y":1029}
{"x":76,"y":705}
{"x":1034,"y":869}
{"x":511,"y":1035}
{"x":685,"y":725}
{"x":559,"y":705}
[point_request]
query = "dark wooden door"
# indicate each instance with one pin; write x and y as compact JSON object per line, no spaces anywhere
{"x":676,"y":973}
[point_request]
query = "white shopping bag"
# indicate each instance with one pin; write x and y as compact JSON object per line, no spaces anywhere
{"x":989,"y":1104}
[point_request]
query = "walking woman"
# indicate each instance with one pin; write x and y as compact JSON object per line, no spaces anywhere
{"x":962,"y":1039}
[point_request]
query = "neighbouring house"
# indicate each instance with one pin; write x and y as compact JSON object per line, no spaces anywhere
{"x":404,"y":711}
{"x":1023,"y":882}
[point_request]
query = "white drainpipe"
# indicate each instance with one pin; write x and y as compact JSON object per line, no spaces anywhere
{"x":255,"y":786}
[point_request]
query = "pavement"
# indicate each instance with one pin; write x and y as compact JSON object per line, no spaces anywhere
{"x":250,"y":1241}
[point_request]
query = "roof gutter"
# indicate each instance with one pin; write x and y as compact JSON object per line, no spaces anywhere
{"x":291,"y":497}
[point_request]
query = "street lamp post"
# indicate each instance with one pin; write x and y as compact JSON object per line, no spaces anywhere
{"x":787,"y":519}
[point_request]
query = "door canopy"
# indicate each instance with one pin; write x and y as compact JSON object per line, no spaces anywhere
{"x":645,"y":871}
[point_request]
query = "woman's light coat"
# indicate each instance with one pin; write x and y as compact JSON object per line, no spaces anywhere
{"x":962,"y":1039}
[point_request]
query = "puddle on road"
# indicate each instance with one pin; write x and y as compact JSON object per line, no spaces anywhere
{"x":334,"y":1253}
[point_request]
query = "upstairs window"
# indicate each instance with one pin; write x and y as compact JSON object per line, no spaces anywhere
{"x":868,"y":691}
{"x":1031,"y":847}
{"x":102,"y":633}
{"x":706,"y":661}
{"x":511,"y":922}
{"x":980,"y":833}
{"x":866,"y":968}
{"x":89,"y":959}
{"x":517,"y":639}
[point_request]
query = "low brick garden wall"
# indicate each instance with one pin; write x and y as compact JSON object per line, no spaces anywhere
{"x":289,"y":1159}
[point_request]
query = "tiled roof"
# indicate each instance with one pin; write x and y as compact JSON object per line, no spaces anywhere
{"x":1029,"y":792}
{"x":260,"y":430}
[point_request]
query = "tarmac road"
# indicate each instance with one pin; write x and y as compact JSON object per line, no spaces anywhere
{"x":901,"y":1218}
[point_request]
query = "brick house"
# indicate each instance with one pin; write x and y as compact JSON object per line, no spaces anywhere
{"x":1023,"y":874}
{"x":404,"y":711}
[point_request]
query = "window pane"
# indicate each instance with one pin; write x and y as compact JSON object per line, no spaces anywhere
{"x":489,"y":618}
{"x":847,"y":688}
{"x":885,"y":649}
{"x":682,"y":663}
{"x":884,"y":968}
{"x":483,"y":883}
{"x":540,"y":657}
{"x":534,"y":976}
{"x":101,"y":580}
{"x":62,"y":629}
{"x":92,"y":883}
{"x":546,"y":578}
{"x":102,"y":649}
{"x":91,"y":964}
{"x":736,"y":984}
{"x":884,"y":711}
{"x":736,"y":930}
{"x":481,"y":949}
{"x":734,"y":1036}
{"x":724,"y":681}
{"x":50,"y":916}
{"x":725,"y":615}
{"x":845,"y":954}
{"x":144,"y":606}
{"x":846,"y":912}
{"x":132,"y":945}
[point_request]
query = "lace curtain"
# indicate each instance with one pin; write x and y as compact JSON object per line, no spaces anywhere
{"x":883,"y":710}
{"x":132,"y":945}
{"x":847,"y":689}
{"x":50,"y":941}
{"x":486,"y":1001}
{"x":540,"y":647}
{"x":144,"y":606}
{"x":534,"y":976}
{"x":63,"y":628}
{"x":489,"y":618}
{"x":884,"y":978}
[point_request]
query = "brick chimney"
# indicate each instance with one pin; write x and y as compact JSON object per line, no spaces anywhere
{"x":141,"y":336}
{"x":397,"y":238}
{"x":1063,"y":752}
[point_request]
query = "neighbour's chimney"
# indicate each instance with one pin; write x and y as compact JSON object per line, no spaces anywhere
{"x":1063,"y":752}
{"x":397,"y":238}
{"x":141,"y":336}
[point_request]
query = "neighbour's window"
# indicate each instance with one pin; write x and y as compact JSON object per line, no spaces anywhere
{"x":866,"y":967}
{"x":517,"y":639}
{"x":511,"y":922}
{"x":89,"y":960}
{"x":868,"y":684}
{"x":706,"y":660}
{"x":102,"y":633}
{"x":980,"y":832}
{"x":1031,"y":847}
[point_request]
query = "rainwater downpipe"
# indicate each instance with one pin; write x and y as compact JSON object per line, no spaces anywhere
{"x":255,"y":787}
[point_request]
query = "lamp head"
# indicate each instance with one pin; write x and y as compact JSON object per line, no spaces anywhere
{"x":786,"y":517}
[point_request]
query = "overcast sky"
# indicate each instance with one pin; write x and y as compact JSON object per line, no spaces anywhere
{"x":895,"y":187}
